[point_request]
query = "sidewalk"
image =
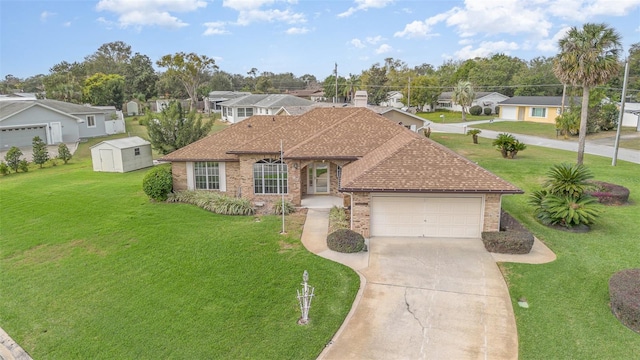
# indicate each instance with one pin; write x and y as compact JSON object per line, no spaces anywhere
{"x":591,"y":147}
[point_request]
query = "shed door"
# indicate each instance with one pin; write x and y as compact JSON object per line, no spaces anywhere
{"x":426,"y":216}
{"x":106,"y":160}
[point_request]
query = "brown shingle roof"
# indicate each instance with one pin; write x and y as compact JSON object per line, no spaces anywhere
{"x":418,"y":164}
{"x":215,"y":147}
{"x":386,"y":156}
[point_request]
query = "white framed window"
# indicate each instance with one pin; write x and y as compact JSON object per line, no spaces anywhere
{"x":270,"y":177}
{"x":539,"y":112}
{"x":207,"y":175}
{"x":248,"y":112}
{"x":136,"y":151}
{"x":240,"y":112}
{"x":91,"y":121}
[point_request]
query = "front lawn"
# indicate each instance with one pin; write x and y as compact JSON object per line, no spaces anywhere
{"x":91,"y":269}
{"x":568,"y":315}
{"x":451,"y":117}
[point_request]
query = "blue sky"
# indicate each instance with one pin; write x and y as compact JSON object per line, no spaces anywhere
{"x":298,"y":36}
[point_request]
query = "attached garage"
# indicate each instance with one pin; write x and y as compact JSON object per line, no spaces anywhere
{"x":20,"y":136}
{"x":427,"y":216}
{"x":508,"y":112}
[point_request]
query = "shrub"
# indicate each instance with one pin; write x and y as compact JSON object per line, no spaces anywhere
{"x":158,"y":183}
{"x":338,"y":218}
{"x":345,"y":241}
{"x":508,"y":242}
{"x":474,"y":134}
{"x":63,"y":153}
{"x":4,"y":168}
{"x":624,"y":291}
{"x":40,"y":153}
{"x":563,"y":201}
{"x":508,"y":145}
{"x":487,"y":111}
{"x":214,"y":202}
{"x":497,"y":109}
{"x":23,"y":165}
{"x":609,"y":194}
{"x":12,"y":157}
{"x":287,"y":206}
{"x":475,"y":110}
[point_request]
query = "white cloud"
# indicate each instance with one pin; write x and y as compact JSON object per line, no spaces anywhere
{"x":45,"y":15}
{"x":297,"y":30}
{"x":66,"y":24}
{"x":249,"y":16}
{"x":365,"y":5}
{"x":215,"y":28}
{"x":486,"y":49}
{"x":582,"y":10}
{"x":551,"y":45}
{"x":374,"y":39}
{"x":107,"y":24}
{"x":250,"y":11}
{"x":383,"y":49}
{"x":150,"y":12}
{"x":357,"y":43}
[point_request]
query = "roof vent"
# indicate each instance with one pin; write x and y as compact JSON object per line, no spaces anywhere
{"x":248,"y":125}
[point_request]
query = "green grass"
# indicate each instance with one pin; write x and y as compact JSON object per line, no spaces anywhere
{"x":451,"y":117}
{"x":91,"y":269}
{"x":569,"y":315}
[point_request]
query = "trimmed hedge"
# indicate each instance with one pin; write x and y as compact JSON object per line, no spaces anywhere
{"x":345,"y":241}
{"x":158,"y":183}
{"x":475,"y":110}
{"x":508,"y":242}
{"x":624,"y":291}
{"x":609,"y":194}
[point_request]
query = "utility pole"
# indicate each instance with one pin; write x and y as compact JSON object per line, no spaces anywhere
{"x":621,"y":115}
{"x":409,"y":94}
{"x":335,"y":72}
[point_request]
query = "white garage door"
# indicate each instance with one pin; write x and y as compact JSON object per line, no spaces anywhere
{"x":426,"y":216}
{"x":508,"y":112}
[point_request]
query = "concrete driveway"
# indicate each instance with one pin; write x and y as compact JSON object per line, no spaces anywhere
{"x":429,"y":298}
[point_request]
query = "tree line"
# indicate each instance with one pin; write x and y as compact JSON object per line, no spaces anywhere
{"x":114,"y":74}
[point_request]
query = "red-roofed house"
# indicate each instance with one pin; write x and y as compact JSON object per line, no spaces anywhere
{"x":397,"y":182}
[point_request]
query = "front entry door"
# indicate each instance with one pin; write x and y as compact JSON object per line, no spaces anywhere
{"x":318,"y":178}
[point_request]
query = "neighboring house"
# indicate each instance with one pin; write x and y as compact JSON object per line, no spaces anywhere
{"x":397,"y":182}
{"x":310,"y":94}
{"x":53,"y":121}
{"x":484,"y":99}
{"x":399,"y":116}
{"x":394,"y":99}
{"x":543,"y":109}
{"x":631,"y":116}
{"x":132,"y":108}
{"x":215,"y":98}
{"x":18,"y":96}
{"x":121,"y":155}
{"x":238,"y":109}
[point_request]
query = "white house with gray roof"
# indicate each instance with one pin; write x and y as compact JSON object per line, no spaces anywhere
{"x":236,"y":110}
{"x":483,"y":98}
{"x":53,"y":121}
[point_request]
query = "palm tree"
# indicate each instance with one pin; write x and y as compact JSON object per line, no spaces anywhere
{"x":588,"y":57}
{"x":463,"y":95}
{"x":353,"y":84}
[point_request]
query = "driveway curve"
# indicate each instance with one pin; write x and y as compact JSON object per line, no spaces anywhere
{"x":428,"y":298}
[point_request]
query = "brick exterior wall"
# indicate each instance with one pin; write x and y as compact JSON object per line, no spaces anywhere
{"x":361,"y":213}
{"x":492,"y":203}
{"x":179,"y":174}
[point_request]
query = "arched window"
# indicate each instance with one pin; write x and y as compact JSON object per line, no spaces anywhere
{"x":270,"y":177}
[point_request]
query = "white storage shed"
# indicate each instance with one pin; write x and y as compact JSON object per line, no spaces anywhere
{"x":121,"y":155}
